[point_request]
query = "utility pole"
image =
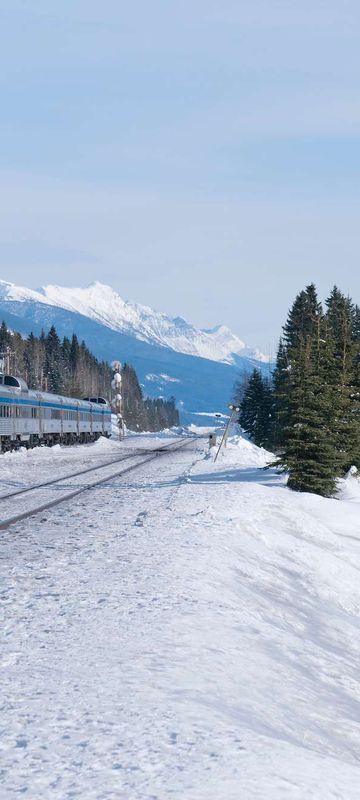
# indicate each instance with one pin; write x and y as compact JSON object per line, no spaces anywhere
{"x":117,"y":400}
{"x":234,"y":410}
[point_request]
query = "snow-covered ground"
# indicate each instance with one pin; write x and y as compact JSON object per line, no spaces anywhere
{"x":190,"y":631}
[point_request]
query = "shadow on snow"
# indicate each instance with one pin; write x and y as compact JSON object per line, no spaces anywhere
{"x":242,"y":475}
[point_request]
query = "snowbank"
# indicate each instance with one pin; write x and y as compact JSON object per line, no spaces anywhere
{"x":190,"y":631}
{"x":349,"y":488}
{"x":239,"y":451}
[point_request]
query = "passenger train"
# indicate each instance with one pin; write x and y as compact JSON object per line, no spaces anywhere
{"x":30,"y":418}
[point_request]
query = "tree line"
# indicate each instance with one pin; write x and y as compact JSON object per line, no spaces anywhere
{"x":145,"y":414}
{"x":67,"y":367}
{"x":308,"y":411}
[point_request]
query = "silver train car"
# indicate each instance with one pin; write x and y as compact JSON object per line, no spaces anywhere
{"x":29,"y":418}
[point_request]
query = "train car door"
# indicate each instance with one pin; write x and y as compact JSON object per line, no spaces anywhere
{"x":41,"y":416}
{"x":12,"y":412}
{"x":77,"y":419}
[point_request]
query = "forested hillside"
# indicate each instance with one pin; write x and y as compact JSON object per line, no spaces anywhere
{"x":67,"y":367}
{"x":309,"y":414}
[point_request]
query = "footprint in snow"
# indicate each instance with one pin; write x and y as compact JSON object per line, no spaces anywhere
{"x":139,"y":522}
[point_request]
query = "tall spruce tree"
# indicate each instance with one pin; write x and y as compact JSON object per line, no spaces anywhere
{"x":309,"y":399}
{"x":311,"y":454}
{"x":301,"y":322}
{"x":54,"y":364}
{"x":342,"y":319}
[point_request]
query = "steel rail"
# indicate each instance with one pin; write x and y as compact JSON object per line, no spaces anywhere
{"x":136,"y":452}
{"x":154,"y":454}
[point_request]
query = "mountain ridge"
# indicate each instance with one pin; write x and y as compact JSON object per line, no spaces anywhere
{"x":200,"y":384}
{"x":102,"y":303}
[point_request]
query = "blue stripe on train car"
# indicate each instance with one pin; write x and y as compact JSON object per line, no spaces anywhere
{"x":35,"y":404}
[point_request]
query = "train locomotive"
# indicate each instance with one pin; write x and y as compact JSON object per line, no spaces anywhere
{"x":29,"y":418}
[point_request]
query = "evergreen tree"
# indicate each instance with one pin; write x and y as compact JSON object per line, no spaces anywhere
{"x":301,"y":322}
{"x":53,"y":362}
{"x":293,"y":358}
{"x":133,"y":402}
{"x":5,"y":338}
{"x":161,"y":414}
{"x":342,"y":323}
{"x":310,"y":453}
{"x":356,"y":324}
{"x":31,"y":361}
{"x":280,"y":406}
{"x":306,"y":405}
{"x":255,"y":409}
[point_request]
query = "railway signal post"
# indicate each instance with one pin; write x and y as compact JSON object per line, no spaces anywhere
{"x":117,"y":401}
{"x":234,"y":410}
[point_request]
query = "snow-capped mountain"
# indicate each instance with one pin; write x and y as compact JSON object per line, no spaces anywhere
{"x":103,"y":304}
{"x":170,"y":356}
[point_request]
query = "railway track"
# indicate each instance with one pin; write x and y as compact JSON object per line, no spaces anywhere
{"x":124,"y":457}
{"x":73,"y":490}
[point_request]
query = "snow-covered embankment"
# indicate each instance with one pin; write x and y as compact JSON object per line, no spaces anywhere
{"x":190,"y":631}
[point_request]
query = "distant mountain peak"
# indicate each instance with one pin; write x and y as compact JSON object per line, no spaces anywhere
{"x":103,"y":304}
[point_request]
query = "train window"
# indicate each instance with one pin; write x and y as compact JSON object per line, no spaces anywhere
{"x":22,"y":411}
{"x":10,"y":381}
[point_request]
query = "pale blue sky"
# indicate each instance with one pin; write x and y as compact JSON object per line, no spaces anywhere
{"x":202,"y":157}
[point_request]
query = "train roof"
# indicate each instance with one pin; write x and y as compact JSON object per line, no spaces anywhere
{"x":47,"y":397}
{"x":10,"y":383}
{"x":13,"y":382}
